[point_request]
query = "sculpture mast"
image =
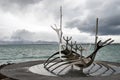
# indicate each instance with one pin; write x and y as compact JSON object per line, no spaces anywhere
{"x":61,"y":33}
{"x":96,"y":34}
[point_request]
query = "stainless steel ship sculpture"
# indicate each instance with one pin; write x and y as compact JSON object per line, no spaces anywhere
{"x":70,"y":54}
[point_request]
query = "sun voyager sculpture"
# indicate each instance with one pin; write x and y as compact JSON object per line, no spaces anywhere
{"x":70,"y":54}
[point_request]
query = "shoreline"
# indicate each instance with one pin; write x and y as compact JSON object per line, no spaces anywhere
{"x":19,"y":71}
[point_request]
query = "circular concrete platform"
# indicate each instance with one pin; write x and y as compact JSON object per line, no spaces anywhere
{"x":21,"y":71}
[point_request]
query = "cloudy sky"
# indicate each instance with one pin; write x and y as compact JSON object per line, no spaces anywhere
{"x":31,"y":19}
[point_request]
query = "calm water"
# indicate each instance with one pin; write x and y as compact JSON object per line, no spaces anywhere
{"x":22,"y":53}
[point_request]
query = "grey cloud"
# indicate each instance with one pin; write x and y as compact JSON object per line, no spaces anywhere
{"x":108,"y":12}
{"x":48,"y":7}
{"x":13,"y":5}
{"x":18,"y":2}
{"x":109,"y":18}
{"x":26,"y":35}
{"x":86,"y":26}
{"x":51,"y":7}
{"x":21,"y":35}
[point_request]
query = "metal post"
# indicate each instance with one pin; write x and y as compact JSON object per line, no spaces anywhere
{"x":60,"y":42}
{"x":96,"y":34}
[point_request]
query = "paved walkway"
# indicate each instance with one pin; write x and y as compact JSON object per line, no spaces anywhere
{"x":20,"y":72}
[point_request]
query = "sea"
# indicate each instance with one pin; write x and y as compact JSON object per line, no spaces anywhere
{"x":16,"y":53}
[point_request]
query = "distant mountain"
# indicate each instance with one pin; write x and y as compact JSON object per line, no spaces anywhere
{"x":36,"y":42}
{"x":46,"y":42}
{"x":27,"y":42}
